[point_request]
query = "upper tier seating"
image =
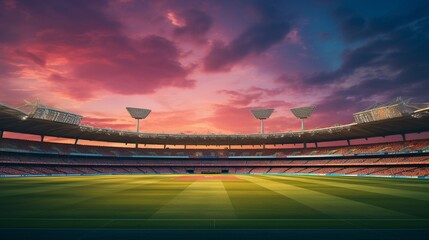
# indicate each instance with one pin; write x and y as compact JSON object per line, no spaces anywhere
{"x":70,"y":149}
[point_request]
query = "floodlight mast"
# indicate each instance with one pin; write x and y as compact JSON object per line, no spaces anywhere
{"x":138,"y":113}
{"x":262,"y":114}
{"x":303,"y":113}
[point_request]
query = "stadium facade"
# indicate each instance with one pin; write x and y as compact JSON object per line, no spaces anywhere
{"x":405,"y":158}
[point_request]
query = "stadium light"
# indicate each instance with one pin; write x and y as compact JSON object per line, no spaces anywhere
{"x":138,"y":113}
{"x":303,"y":113}
{"x":262,"y":114}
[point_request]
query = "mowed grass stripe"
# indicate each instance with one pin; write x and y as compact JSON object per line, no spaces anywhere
{"x":34,"y":185}
{"x":126,"y":207}
{"x":111,"y":190}
{"x":252,"y":201}
{"x":44,"y":199}
{"x":201,"y":199}
{"x":417,"y":185}
{"x":127,"y":197}
{"x":405,"y":205}
{"x":22,"y":188}
{"x":139,"y":198}
{"x":330,"y":205}
{"x":48,"y":189}
{"x":373,"y":188}
{"x":388,"y":180}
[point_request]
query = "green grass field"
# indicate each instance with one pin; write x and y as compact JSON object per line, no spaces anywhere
{"x":213,"y":202}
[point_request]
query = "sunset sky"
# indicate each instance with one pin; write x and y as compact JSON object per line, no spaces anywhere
{"x":202,"y":65}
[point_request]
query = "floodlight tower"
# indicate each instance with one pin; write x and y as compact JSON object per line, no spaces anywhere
{"x":262,"y":114}
{"x":138,"y":113}
{"x":303,"y":113}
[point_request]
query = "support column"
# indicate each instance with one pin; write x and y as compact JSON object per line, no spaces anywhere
{"x":42,"y":138}
{"x":404,"y":138}
{"x":185,"y":146}
{"x":138,"y":125}
{"x":348,"y":142}
{"x":75,"y":141}
{"x":262,"y":132}
{"x":165,"y":146}
{"x":302,"y":125}
{"x":138,"y":130}
{"x":305,"y":145}
{"x":316,"y":144}
{"x":1,"y":134}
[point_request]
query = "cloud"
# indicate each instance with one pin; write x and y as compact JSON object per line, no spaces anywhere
{"x":31,"y":56}
{"x":19,"y":23}
{"x":294,"y":37}
{"x":231,"y":119}
{"x":252,"y":96}
{"x":241,"y":99}
{"x":255,"y":39}
{"x":354,"y":27}
{"x":87,"y":50}
{"x":137,"y":68}
{"x":391,"y":60}
{"x":71,"y":87}
{"x":12,"y":93}
{"x":191,"y":24}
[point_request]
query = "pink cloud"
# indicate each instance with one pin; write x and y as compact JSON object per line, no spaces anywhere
{"x":175,"y":19}
{"x":191,"y":24}
{"x":31,"y":56}
{"x":91,"y":54}
{"x":254,"y":96}
{"x":293,"y":37}
{"x":241,"y":99}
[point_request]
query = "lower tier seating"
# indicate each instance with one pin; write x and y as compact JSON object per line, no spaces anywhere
{"x":55,"y":170}
{"x":13,"y":163}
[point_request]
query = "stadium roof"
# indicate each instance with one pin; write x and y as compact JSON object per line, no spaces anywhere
{"x":14,"y":120}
